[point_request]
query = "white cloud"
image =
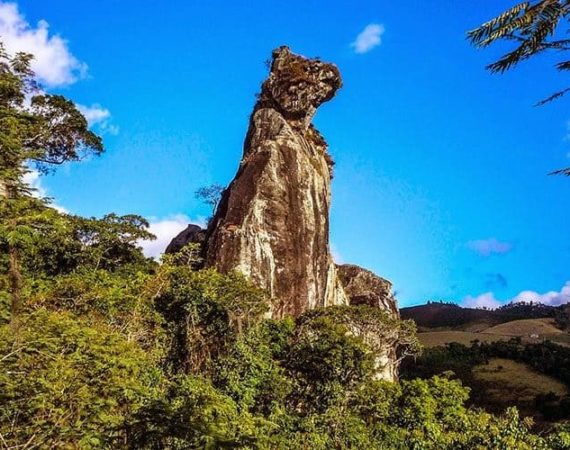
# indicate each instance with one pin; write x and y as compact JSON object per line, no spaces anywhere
{"x":491,"y":246}
{"x":368,"y":38}
{"x":34,"y":180}
{"x":53,"y":63}
{"x":552,"y":298}
{"x":99,"y":117}
{"x":165,"y":230}
{"x":95,"y":113}
{"x":486,"y":300}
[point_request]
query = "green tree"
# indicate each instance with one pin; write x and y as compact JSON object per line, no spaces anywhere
{"x":70,"y":384}
{"x":210,"y":195}
{"x":35,"y":128}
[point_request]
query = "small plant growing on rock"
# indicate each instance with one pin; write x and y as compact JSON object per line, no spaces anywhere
{"x":210,"y":195}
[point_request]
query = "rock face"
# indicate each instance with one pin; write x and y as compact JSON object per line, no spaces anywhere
{"x":273,"y":220}
{"x":366,"y":288}
{"x":272,"y":223}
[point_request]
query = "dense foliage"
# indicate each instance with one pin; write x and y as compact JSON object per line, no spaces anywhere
{"x":144,"y":355}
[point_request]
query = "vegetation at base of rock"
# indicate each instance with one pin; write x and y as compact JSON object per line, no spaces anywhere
{"x":110,"y":358}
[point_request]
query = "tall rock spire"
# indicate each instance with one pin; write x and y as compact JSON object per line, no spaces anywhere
{"x":273,"y":220}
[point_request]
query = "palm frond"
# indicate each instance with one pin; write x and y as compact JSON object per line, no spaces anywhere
{"x":552,"y":97}
{"x":565,"y":172}
{"x":564,"y":65}
{"x":484,"y":31}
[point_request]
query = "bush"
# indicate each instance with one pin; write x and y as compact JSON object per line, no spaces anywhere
{"x":65,"y":384}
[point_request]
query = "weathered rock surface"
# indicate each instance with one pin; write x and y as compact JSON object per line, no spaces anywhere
{"x":273,"y":220}
{"x":364,"y":287}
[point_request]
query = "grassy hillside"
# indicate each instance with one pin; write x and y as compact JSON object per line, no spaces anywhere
{"x":506,"y":382}
{"x":504,"y":362}
{"x":437,"y":338}
{"x":529,"y":330}
{"x":526,"y":327}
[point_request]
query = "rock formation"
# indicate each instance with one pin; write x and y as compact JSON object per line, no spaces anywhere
{"x":272,"y":223}
{"x":366,"y":288}
{"x":191,"y":234}
{"x":273,"y":220}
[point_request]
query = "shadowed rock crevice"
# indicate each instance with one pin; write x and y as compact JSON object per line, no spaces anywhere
{"x":192,"y":234}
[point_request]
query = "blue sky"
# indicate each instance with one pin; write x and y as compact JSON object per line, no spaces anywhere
{"x":441,"y":168}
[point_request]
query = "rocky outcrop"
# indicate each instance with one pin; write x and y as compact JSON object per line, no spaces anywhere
{"x":272,"y":223}
{"x":192,"y":234}
{"x":363,"y":287}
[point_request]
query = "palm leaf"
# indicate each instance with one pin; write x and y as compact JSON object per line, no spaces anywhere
{"x":565,"y":172}
{"x":552,"y":97}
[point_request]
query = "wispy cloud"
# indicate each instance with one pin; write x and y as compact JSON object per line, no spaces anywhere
{"x":368,"y":38}
{"x":491,"y":246}
{"x":99,"y":117}
{"x":552,"y":298}
{"x":53,"y":64}
{"x":95,"y":113}
{"x":165,"y":230}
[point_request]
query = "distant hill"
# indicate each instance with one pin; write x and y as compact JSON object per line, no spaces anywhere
{"x":525,"y":327}
{"x":440,"y":315}
{"x":443,"y":315}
